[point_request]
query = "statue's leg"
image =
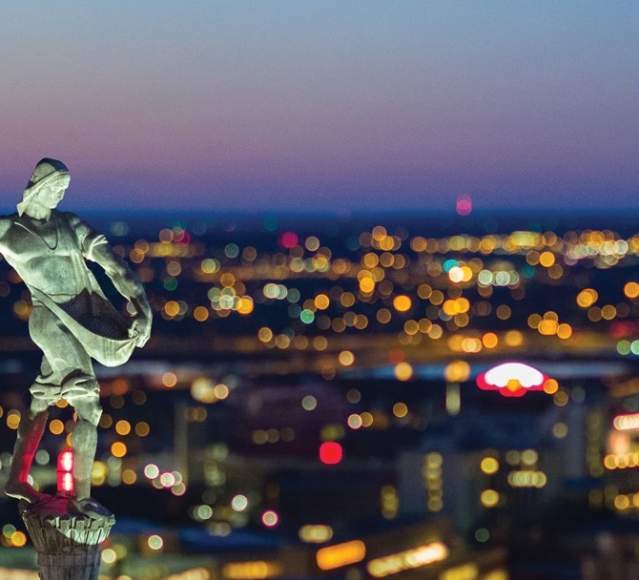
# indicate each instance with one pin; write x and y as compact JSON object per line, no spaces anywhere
{"x":82,"y":391}
{"x":85,"y":440}
{"x":30,"y":432}
{"x":68,"y":374}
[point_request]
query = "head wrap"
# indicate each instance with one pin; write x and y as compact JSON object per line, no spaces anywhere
{"x":46,"y":170}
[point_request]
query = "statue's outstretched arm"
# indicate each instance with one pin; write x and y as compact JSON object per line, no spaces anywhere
{"x":96,"y":248}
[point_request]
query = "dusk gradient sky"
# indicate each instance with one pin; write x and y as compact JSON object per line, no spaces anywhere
{"x":307,"y":104}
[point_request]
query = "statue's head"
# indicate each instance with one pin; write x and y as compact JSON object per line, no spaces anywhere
{"x":49,"y":181}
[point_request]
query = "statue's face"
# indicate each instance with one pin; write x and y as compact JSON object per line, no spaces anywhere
{"x":53,"y":193}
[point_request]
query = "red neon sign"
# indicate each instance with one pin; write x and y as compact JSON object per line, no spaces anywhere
{"x":65,"y":482}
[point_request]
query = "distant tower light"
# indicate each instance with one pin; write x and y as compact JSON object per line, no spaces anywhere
{"x":289,"y":240}
{"x":464,"y":205}
{"x":331,"y":453}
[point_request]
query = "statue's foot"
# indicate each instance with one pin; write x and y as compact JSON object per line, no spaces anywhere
{"x":25,"y":492}
{"x":90,"y":508}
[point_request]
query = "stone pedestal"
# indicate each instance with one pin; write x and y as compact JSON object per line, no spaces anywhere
{"x":68,"y":543}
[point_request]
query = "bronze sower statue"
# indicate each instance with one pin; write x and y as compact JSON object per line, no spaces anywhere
{"x":72,"y":322}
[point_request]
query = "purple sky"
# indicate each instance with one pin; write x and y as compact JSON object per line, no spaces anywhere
{"x":303,"y":105}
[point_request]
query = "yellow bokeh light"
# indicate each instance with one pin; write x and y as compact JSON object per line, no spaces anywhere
{"x":172,"y":308}
{"x":123,"y":427}
{"x":367,"y":285}
{"x":56,"y":427}
{"x":547,"y":259}
{"x":346,"y":358}
{"x":403,"y":371}
{"x":503,"y":312}
{"x":367,"y":419}
{"x":18,"y":539}
{"x":489,"y":498}
{"x":609,"y":312}
{"x":547,"y":327}
{"x":201,"y":313}
{"x":457,"y":371}
{"x":490,"y":340}
{"x":265,"y":334}
{"x":340,"y":555}
{"x":379,"y":233}
{"x":631,"y":290}
{"x":551,"y":386}
{"x":169,"y":380}
{"x":489,"y":465}
{"x":245,"y":305}
{"x":424,"y":291}
{"x":460,"y":274}
{"x":534,"y":320}
{"x":129,"y":477}
{"x":118,"y":449}
{"x":402,"y":303}
{"x":400,"y":409}
{"x":621,"y":502}
{"x":587,"y":297}
{"x":450,"y":307}
{"x":370,"y":260}
{"x":322,"y":301}
{"x":142,"y":429}
{"x":384,"y":316}
{"x":13,"y":419}
{"x":514,"y":338}
{"x":564,"y":331}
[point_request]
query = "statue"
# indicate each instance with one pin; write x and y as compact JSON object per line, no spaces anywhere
{"x":72,"y":322}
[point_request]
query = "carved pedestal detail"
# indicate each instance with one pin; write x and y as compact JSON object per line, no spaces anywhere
{"x":68,"y":543}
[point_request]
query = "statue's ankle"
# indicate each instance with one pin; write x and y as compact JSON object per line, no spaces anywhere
{"x":22,"y":490}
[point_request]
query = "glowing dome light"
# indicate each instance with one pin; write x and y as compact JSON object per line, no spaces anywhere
{"x":512,"y":379}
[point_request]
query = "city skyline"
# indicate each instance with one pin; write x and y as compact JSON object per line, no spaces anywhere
{"x":299,"y":106}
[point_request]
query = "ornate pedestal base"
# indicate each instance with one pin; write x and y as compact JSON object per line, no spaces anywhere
{"x":67,"y":542}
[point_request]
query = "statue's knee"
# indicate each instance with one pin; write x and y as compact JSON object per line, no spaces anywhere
{"x":38,"y":406}
{"x":89,"y":411}
{"x":43,"y":396}
{"x":83,"y":393}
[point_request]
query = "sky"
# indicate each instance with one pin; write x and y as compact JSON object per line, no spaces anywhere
{"x":331,"y":104}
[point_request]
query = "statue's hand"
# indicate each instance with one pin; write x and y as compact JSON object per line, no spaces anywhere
{"x":140,"y":329}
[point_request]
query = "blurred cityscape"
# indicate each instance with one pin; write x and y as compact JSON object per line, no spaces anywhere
{"x":328,"y":397}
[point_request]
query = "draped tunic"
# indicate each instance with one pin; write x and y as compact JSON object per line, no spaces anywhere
{"x":51,"y":259}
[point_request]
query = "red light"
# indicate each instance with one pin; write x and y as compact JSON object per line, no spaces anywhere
{"x":620,"y":329}
{"x":65,"y":460}
{"x":331,"y":453}
{"x":396,"y":356}
{"x":65,"y":483}
{"x":289,"y":240}
{"x":464,"y":205}
{"x":182,"y":237}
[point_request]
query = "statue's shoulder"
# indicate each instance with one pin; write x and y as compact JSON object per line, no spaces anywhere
{"x":71,"y":220}
{"x":68,"y":216}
